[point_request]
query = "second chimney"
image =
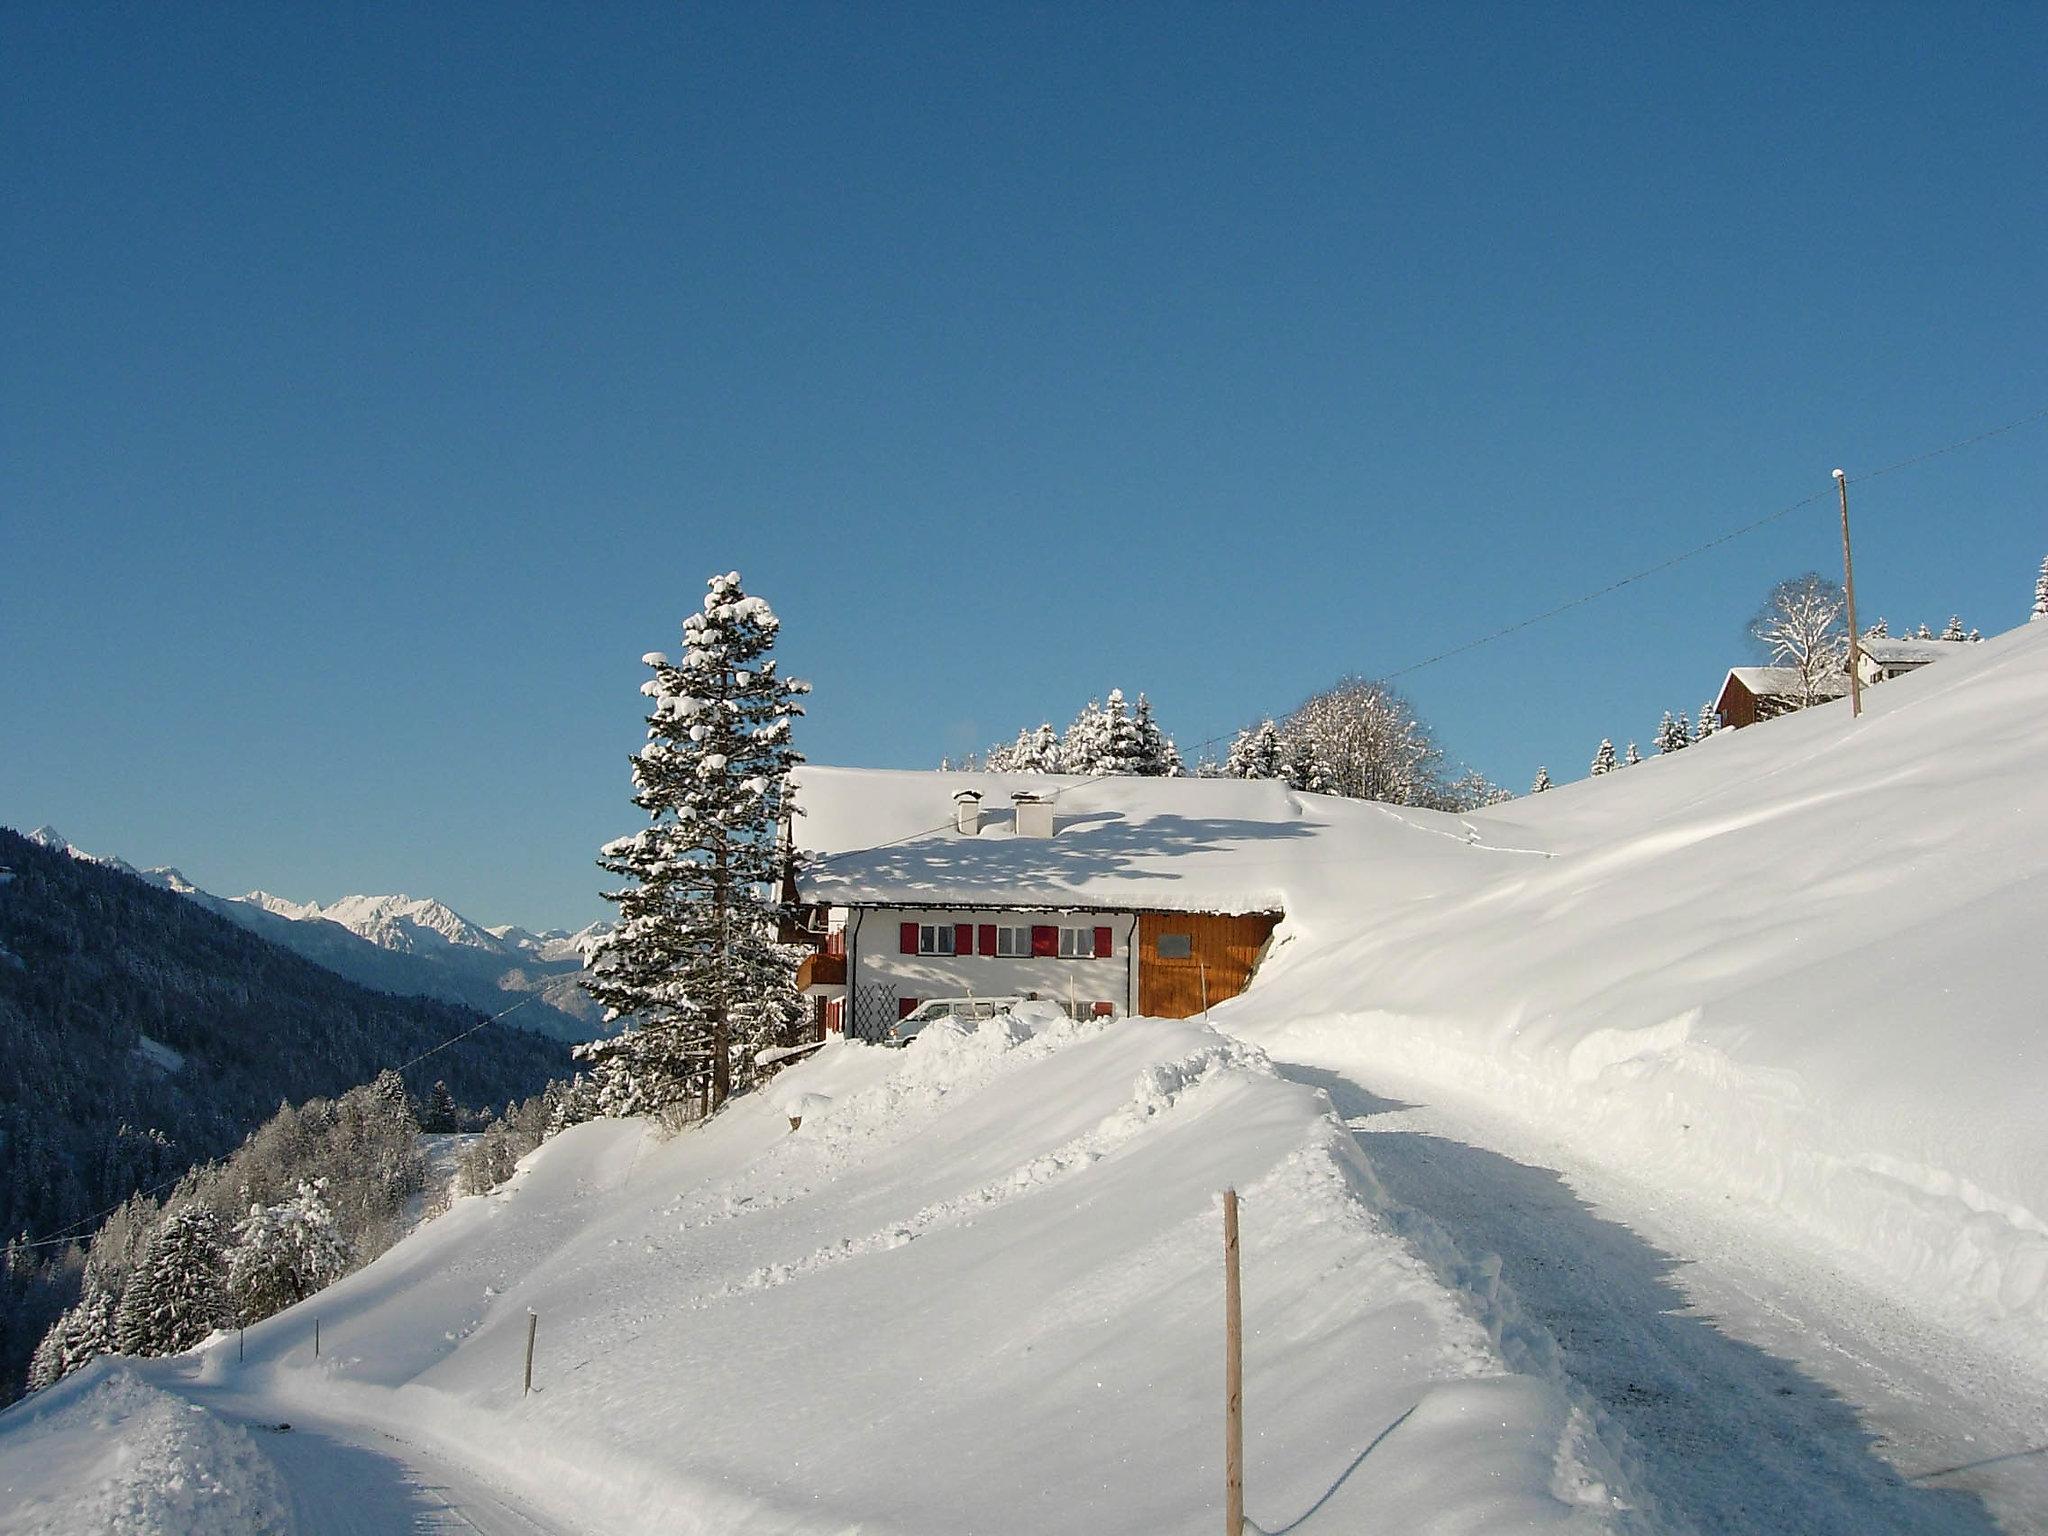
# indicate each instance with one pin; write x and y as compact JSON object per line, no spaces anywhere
{"x":967,"y":812}
{"x":1034,"y":814}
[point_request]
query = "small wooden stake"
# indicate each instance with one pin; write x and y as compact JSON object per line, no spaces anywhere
{"x":1233,"y":1376}
{"x":1849,"y":594}
{"x":241,"y":1338}
{"x":316,"y":1338}
{"x":532,"y":1324}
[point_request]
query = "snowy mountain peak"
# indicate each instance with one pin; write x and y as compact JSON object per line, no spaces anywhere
{"x":411,"y":924}
{"x":283,"y":906}
{"x":49,"y":837}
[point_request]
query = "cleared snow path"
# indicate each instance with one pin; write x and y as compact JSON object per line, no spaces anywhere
{"x":345,"y":1480}
{"x":1727,"y":1368}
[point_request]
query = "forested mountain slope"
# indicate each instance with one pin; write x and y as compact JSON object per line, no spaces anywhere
{"x":140,"y":1033}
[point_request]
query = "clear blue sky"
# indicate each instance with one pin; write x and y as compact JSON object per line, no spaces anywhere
{"x":377,"y":383}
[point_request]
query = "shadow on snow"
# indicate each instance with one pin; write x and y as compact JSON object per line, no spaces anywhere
{"x":1730,"y":1438}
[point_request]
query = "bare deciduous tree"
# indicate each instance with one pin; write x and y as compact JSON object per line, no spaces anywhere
{"x":1801,"y":626}
{"x":1362,"y":739}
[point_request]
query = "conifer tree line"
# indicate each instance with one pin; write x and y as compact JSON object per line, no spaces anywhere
{"x":88,"y":1117}
{"x":316,"y":1192}
{"x":1105,"y":738}
{"x":695,"y":970}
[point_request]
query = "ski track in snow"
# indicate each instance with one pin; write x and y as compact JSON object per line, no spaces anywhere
{"x":1764,"y":1394}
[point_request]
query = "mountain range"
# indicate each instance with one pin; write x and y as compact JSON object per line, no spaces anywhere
{"x":410,"y":946}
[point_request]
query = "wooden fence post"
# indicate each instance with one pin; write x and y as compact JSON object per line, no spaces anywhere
{"x":316,"y":1338}
{"x":241,"y":1339}
{"x":1233,"y":1376}
{"x":532,"y":1326}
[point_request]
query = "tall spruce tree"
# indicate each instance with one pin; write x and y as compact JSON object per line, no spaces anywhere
{"x":1673,"y":734}
{"x":179,"y":1293}
{"x":1709,"y":722}
{"x":1542,"y":781}
{"x":694,"y":965}
{"x":1158,"y":758}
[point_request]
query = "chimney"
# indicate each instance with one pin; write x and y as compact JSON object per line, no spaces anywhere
{"x":967,"y":812}
{"x":1034,"y":814}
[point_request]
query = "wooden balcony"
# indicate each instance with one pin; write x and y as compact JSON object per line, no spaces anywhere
{"x":822,"y":969}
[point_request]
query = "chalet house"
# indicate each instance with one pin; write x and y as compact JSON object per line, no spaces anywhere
{"x":1884,"y":657}
{"x":1109,"y":896}
{"x":1750,"y":694}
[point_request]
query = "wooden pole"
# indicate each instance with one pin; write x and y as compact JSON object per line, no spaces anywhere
{"x":1202,"y":970}
{"x":532,"y":1323}
{"x":1849,"y":591}
{"x":1233,"y":1376}
{"x":316,"y":1338}
{"x":241,"y":1338}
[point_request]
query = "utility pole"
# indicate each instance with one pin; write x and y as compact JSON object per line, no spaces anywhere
{"x":1849,"y":589}
{"x":1233,"y":1376}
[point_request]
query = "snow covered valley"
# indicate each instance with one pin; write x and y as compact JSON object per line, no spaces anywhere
{"x":1663,"y":1153}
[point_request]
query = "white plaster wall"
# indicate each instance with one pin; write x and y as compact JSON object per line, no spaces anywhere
{"x":873,"y":956}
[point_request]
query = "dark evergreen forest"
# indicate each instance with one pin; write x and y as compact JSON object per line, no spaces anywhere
{"x":106,"y":982}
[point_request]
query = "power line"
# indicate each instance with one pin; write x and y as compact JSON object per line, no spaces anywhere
{"x":1679,"y":559}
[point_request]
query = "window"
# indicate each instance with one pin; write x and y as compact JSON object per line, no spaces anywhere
{"x":1176,"y":946}
{"x":1077,"y":943}
{"x":935,"y":939}
{"x":1013,"y":941}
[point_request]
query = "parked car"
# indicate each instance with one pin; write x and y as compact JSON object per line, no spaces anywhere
{"x":971,"y":1009}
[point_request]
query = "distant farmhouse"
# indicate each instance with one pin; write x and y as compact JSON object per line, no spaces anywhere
{"x":1108,"y":896}
{"x":1750,"y":694}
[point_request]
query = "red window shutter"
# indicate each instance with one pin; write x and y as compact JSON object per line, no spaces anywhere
{"x":909,"y":932}
{"x":1044,"y":940}
{"x":988,"y":938}
{"x":906,"y":1006}
{"x":963,"y":938}
{"x":1102,"y":943}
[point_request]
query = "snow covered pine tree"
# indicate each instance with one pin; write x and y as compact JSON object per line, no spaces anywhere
{"x":2041,"y":592}
{"x":1158,"y":758}
{"x":695,"y":966}
{"x":1603,"y":760}
{"x":1256,"y":754}
{"x":179,"y":1292}
{"x":1542,"y":781}
{"x":1673,"y":735}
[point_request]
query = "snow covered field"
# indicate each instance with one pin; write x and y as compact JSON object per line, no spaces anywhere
{"x":978,"y":1290}
{"x":1688,"y":1172}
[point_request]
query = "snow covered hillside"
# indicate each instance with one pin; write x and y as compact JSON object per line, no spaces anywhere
{"x":1799,"y":968}
{"x":979,"y":1289}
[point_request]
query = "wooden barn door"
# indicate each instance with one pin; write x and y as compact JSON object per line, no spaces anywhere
{"x":1179,"y":951}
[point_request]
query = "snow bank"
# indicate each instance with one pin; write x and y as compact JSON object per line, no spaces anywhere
{"x":978,"y":1290}
{"x":106,"y":1453}
{"x":1798,"y":972}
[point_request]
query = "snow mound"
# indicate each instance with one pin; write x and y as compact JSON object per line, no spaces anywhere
{"x":104,"y":1453}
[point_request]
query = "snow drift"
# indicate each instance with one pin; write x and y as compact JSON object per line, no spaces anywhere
{"x":1800,"y":968}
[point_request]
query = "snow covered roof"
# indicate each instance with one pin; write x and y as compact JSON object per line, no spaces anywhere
{"x":881,"y":837}
{"x":1784,"y":682}
{"x":1906,"y":651}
